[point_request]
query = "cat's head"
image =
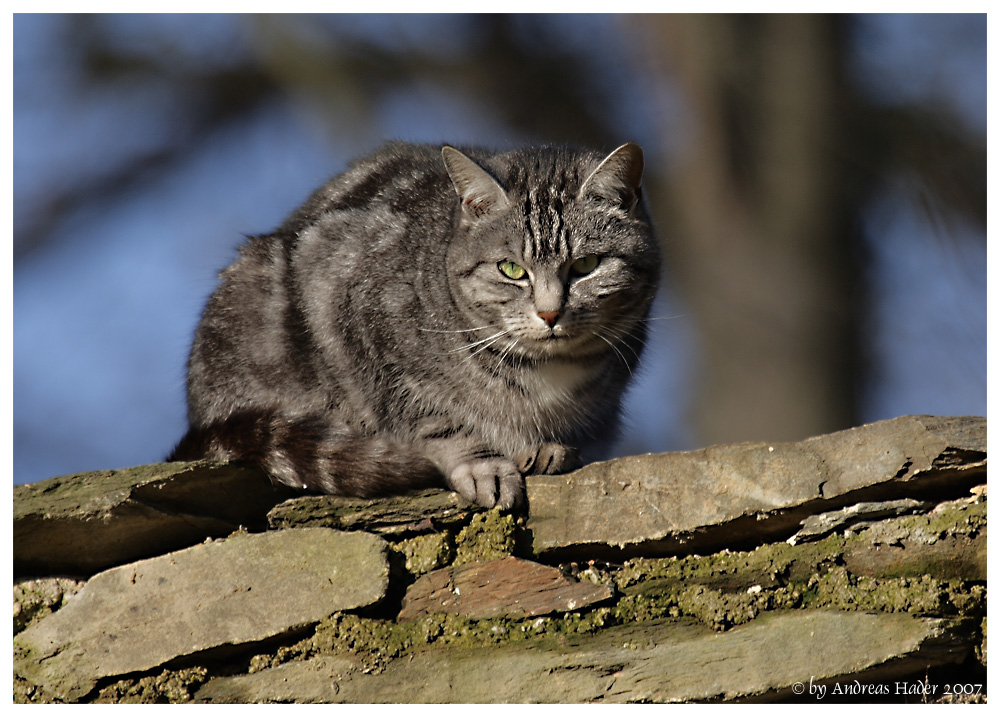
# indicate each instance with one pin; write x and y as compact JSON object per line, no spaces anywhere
{"x":553,"y":251}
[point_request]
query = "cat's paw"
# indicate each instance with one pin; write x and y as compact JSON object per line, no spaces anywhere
{"x":489,"y":482}
{"x":547,"y":458}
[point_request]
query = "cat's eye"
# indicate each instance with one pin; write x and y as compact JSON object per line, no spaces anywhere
{"x":585,"y":264}
{"x":511,"y":270}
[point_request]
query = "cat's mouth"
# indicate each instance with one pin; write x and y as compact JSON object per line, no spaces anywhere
{"x":557,"y":341}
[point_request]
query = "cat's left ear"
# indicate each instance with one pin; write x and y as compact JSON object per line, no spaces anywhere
{"x":618,"y":179}
{"x":480,"y":193}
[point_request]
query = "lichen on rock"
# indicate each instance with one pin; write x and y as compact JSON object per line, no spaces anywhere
{"x":34,"y":599}
{"x":424,"y":553}
{"x":488,"y":536}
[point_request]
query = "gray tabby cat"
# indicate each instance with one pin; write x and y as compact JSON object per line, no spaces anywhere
{"x":431,"y":317}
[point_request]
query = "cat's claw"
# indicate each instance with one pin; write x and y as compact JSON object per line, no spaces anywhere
{"x":548,"y":458}
{"x":489,"y":482}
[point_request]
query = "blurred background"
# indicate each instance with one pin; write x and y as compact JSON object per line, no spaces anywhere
{"x":818,"y":182}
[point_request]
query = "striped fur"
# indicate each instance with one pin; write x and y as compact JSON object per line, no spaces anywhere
{"x":374,"y":343}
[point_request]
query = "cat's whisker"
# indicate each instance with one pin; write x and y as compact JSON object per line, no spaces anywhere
{"x":503,"y":355}
{"x":486,"y":344}
{"x":487,"y":341}
{"x":457,"y":331}
{"x":620,"y":335}
{"x":663,"y":318}
{"x":482,"y":348}
{"x":615,"y":349}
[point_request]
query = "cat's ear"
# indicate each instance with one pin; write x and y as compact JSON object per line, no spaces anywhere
{"x":480,"y":193}
{"x":617,"y":179}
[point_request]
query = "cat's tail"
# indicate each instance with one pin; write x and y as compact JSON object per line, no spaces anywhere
{"x":306,"y":454}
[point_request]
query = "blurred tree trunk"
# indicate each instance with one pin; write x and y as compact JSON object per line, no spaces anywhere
{"x":758,"y":222}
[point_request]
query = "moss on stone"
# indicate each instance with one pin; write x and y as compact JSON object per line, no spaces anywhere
{"x":35,"y":599}
{"x":721,"y":591}
{"x":376,"y":642}
{"x":424,"y":553}
{"x":488,"y":536}
{"x":780,"y":564}
{"x":730,"y":588}
{"x":770,"y":565}
{"x":960,"y":517}
{"x":917,"y":596}
{"x":170,"y":686}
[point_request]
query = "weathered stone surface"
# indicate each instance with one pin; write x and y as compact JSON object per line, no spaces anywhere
{"x":80,"y":524}
{"x":418,"y":512}
{"x":658,"y":662}
{"x":513,"y":587}
{"x":314,"y":681}
{"x":245,"y":589}
{"x":686,"y":542}
{"x":948,"y":543}
{"x":816,"y":526}
{"x":732,"y":495}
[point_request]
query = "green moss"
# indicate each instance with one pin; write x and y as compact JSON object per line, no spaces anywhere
{"x":714,"y":608}
{"x":425,"y":553}
{"x":173,"y":686}
{"x":918,"y":596}
{"x":488,"y":536}
{"x":376,"y":642}
{"x":642,"y":607}
{"x":731,"y":588}
{"x":955,"y":518}
{"x":771,"y":565}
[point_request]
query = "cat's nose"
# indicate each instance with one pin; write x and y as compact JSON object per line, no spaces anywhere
{"x":549,"y":317}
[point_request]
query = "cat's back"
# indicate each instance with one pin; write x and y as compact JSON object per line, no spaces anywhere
{"x":291,"y":295}
{"x":398,"y":178}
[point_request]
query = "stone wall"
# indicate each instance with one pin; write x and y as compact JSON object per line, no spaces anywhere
{"x":845,"y":567}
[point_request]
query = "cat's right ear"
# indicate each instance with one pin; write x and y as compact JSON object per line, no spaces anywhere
{"x":617,"y":179}
{"x":480,"y":193}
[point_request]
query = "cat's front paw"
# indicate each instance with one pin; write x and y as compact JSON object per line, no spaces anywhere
{"x":547,"y":458}
{"x":489,"y":482}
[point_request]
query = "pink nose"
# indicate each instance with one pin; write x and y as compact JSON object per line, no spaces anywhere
{"x":549,"y":317}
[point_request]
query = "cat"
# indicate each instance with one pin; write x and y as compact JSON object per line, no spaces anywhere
{"x":431,"y":317}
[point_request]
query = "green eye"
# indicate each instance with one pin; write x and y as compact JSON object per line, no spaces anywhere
{"x":585,"y":264}
{"x":511,"y":270}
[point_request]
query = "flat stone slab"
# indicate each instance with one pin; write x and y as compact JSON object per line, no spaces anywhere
{"x":776,"y":655}
{"x":511,"y":587}
{"x":245,"y":589}
{"x":80,"y":524}
{"x":417,"y":512}
{"x":744,"y":494}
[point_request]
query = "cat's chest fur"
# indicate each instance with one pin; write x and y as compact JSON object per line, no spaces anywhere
{"x":558,"y":385}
